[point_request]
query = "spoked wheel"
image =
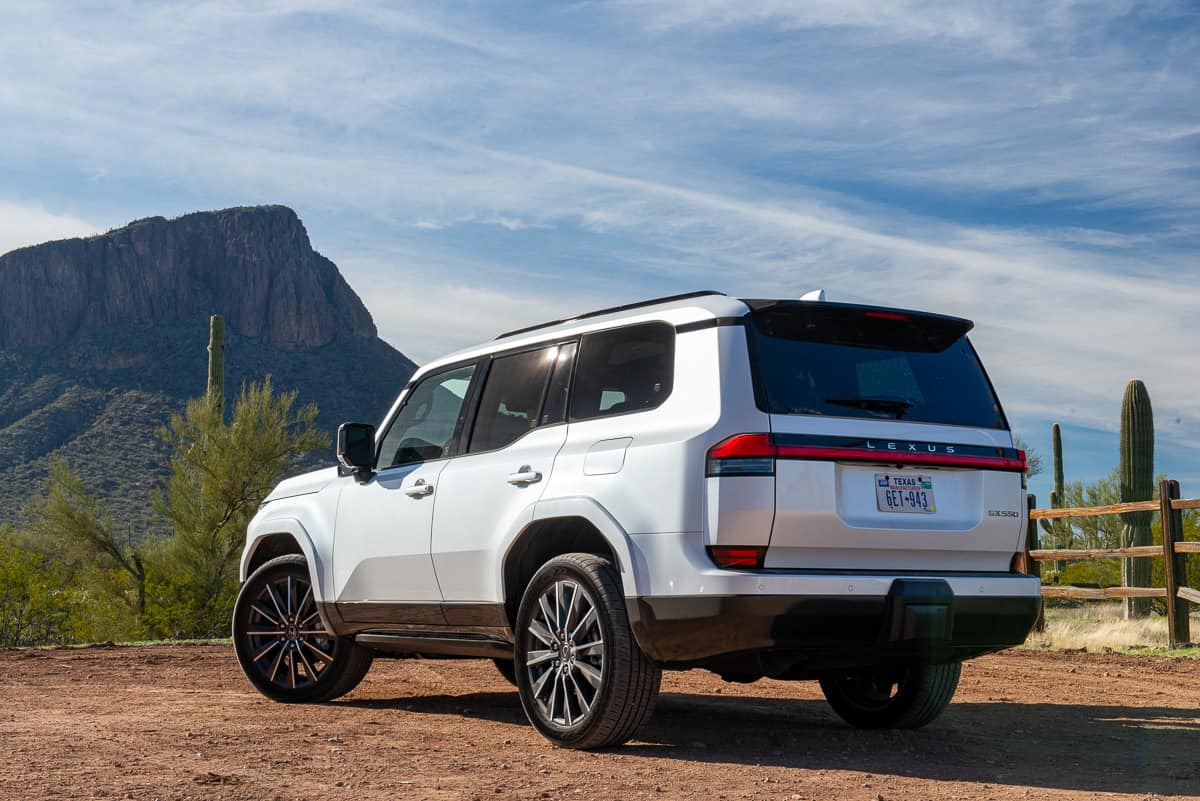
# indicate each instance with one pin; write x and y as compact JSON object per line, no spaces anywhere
{"x":566,"y":663}
{"x":283,"y":646}
{"x":583,"y":680}
{"x":899,"y":697}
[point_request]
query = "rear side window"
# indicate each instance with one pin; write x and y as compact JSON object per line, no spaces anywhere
{"x":511,"y":398}
{"x":843,"y":364}
{"x":624,"y":370}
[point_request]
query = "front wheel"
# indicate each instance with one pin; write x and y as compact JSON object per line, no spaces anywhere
{"x":583,"y":680}
{"x":281,"y":643}
{"x":901,"y":697}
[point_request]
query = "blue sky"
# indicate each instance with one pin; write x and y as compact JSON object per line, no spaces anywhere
{"x":477,"y":167}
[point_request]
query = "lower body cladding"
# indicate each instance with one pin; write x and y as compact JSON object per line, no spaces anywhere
{"x":917,"y":619}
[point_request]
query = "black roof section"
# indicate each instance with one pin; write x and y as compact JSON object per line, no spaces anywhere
{"x":612,"y":310}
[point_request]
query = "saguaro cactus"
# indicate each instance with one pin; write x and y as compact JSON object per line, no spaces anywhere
{"x":1137,"y":484}
{"x":1056,"y":530}
{"x":216,"y":360}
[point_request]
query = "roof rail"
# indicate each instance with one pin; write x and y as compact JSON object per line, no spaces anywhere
{"x":612,"y":310}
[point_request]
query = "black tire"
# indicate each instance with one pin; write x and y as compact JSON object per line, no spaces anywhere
{"x":901,"y":697}
{"x":568,"y":645}
{"x":508,"y":669}
{"x":281,"y":643}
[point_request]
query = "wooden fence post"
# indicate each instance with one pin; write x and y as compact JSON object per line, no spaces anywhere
{"x":1032,"y":566}
{"x":1174,"y":566}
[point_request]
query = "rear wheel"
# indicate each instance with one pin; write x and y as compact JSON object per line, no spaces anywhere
{"x":900,"y":697}
{"x":583,"y":680}
{"x":281,"y":642}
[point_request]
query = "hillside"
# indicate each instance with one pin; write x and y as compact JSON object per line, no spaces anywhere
{"x":102,"y":338}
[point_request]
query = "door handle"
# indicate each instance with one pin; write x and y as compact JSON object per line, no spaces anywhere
{"x":419,"y":489}
{"x":524,"y":475}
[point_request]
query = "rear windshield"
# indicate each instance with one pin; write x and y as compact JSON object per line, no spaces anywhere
{"x":879,"y":369}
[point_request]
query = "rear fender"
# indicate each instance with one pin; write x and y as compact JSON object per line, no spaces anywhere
{"x":632,"y":574}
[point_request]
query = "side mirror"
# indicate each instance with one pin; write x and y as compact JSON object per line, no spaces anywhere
{"x":356,"y":448}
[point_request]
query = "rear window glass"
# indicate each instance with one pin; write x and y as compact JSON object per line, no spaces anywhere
{"x":624,"y":370}
{"x":873,"y":380}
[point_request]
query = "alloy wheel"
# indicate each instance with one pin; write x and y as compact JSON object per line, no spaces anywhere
{"x":564,"y":657}
{"x":289,"y":646}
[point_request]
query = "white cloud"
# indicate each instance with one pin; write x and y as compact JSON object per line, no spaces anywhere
{"x":1027,"y":165}
{"x":25,"y":223}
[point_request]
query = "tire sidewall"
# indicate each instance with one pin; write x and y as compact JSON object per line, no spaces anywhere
{"x":294,"y":565}
{"x":897,"y":712}
{"x":556,"y":570}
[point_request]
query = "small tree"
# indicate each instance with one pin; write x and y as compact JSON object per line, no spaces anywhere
{"x":37,"y":604}
{"x":1033,"y":459}
{"x":220,"y":473}
{"x":68,"y":511}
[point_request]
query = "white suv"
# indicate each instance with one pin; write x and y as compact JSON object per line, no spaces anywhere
{"x":793,"y":489}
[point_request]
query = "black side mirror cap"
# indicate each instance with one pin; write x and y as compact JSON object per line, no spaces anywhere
{"x":356,"y":449}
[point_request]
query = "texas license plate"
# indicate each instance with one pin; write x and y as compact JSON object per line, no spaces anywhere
{"x":904,"y":493}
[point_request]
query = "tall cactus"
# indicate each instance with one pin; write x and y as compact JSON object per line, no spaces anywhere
{"x":1137,"y":484}
{"x":1056,"y":530}
{"x":216,"y":360}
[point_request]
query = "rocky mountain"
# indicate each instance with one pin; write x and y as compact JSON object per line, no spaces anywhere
{"x":101,"y":339}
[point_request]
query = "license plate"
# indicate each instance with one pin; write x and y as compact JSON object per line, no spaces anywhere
{"x":904,"y":493}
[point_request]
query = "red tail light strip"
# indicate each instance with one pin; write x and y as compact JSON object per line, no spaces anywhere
{"x":899,"y":457}
{"x":850,"y":449}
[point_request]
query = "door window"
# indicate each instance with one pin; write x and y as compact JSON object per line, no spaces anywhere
{"x":425,"y":427}
{"x":511,"y":398}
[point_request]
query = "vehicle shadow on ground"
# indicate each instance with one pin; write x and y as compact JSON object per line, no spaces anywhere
{"x":1062,"y":746}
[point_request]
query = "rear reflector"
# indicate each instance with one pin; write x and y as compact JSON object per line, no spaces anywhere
{"x":737,"y":555}
{"x":755,"y":454}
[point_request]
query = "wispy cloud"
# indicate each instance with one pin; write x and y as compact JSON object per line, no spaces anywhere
{"x":1029,"y":165}
{"x":26,"y":223}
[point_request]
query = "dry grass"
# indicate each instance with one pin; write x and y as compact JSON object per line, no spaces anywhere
{"x":1101,"y":626}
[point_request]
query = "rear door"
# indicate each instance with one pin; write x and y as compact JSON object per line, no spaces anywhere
{"x":892,"y":452}
{"x":491,"y":488}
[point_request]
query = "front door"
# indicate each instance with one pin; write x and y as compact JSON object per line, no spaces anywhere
{"x":383,"y":571}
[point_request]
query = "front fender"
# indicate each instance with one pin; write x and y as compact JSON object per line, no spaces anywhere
{"x":263,"y":527}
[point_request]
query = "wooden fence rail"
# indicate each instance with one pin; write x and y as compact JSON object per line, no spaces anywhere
{"x":1172,"y":551}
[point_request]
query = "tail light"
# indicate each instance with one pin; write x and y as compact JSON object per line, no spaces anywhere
{"x":755,"y":454}
{"x":1019,"y":563}
{"x":742,"y":455}
{"x":737,"y":555}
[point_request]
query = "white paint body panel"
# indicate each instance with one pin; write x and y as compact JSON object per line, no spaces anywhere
{"x":477,"y":505}
{"x":639,"y":478}
{"x":381,"y":549}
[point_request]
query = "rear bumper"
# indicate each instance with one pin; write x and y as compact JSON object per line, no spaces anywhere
{"x":918,"y":618}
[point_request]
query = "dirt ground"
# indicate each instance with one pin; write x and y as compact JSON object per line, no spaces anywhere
{"x":180,"y":722}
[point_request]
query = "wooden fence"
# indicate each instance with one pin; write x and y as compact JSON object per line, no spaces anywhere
{"x":1174,"y":551}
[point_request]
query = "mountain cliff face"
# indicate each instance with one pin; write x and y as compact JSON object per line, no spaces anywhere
{"x":254,"y":265}
{"x":101,"y":339}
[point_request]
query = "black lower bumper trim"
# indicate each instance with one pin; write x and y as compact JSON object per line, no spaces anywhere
{"x":919,"y":618}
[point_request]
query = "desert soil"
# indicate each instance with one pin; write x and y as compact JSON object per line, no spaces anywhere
{"x":180,"y":722}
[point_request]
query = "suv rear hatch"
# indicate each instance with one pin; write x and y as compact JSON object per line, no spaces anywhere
{"x":891,"y":450}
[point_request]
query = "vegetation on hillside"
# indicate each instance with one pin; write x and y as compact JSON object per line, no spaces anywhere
{"x":73,"y":575}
